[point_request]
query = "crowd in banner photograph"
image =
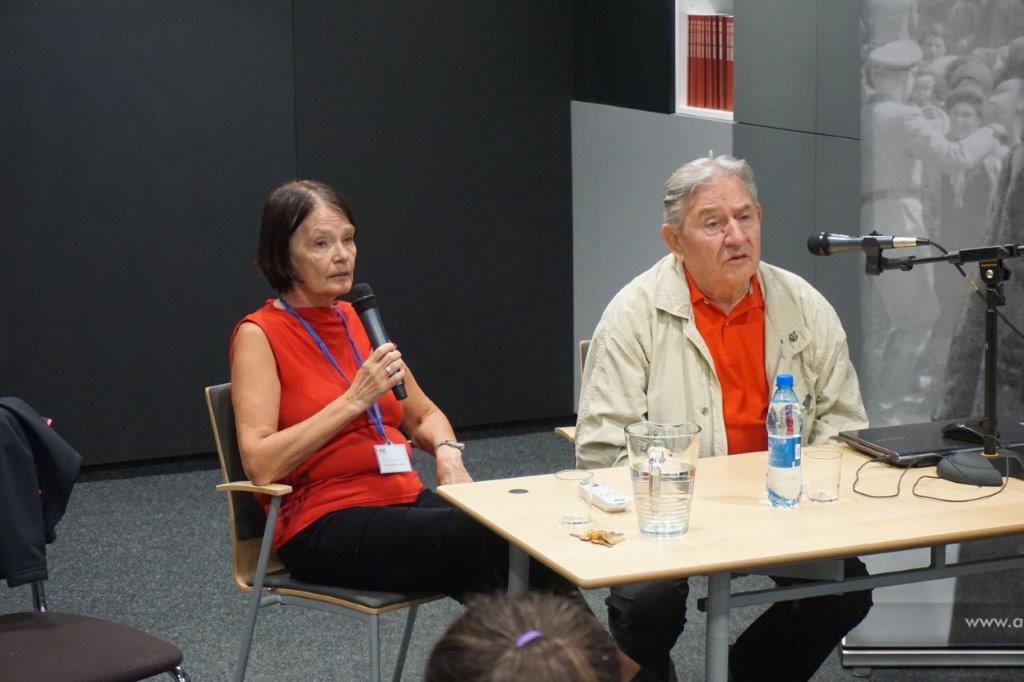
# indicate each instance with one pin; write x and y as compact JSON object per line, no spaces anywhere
{"x":942,"y":158}
{"x":941,"y":126}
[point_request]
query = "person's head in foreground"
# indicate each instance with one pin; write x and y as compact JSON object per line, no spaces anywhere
{"x":533,"y":637}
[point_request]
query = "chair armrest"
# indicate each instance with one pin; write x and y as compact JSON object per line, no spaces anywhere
{"x":567,"y":432}
{"x":272,"y":489}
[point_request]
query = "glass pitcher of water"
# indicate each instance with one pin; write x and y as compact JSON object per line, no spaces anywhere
{"x":662,"y":460}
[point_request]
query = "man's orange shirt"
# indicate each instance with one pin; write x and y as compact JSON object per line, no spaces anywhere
{"x":736,"y":342}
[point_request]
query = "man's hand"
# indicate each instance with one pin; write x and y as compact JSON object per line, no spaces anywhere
{"x":449,"y":466}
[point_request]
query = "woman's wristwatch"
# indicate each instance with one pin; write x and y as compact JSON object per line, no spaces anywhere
{"x":461,"y":447}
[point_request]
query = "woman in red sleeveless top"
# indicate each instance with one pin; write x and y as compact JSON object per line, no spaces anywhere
{"x":314,"y":409}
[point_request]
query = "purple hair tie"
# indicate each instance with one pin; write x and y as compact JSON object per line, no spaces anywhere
{"x":528,"y":637}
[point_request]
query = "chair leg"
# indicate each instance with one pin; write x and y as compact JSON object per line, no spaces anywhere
{"x":410,"y":621}
{"x":39,"y":597}
{"x":374,"y":624}
{"x":179,"y":674}
{"x":257,"y":590}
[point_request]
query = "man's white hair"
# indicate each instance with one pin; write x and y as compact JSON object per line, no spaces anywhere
{"x":684,"y":182}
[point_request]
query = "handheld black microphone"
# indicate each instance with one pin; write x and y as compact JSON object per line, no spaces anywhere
{"x":362,"y":298}
{"x":825,"y":244}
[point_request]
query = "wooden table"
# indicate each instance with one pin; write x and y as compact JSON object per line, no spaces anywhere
{"x":734,"y":529}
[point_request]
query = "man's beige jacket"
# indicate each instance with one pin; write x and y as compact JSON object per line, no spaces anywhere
{"x":648,"y":361}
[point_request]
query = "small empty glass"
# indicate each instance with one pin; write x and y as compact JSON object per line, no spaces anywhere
{"x":573,"y":509}
{"x":822,"y":470}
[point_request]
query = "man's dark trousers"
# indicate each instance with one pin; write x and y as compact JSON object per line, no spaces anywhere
{"x":789,"y":641}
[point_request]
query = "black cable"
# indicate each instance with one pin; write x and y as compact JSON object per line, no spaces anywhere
{"x":899,"y":483}
{"x":974,"y":287}
{"x":913,"y":490}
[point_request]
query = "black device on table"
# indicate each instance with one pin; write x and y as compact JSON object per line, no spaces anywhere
{"x":969,"y":469}
{"x":928,"y":442}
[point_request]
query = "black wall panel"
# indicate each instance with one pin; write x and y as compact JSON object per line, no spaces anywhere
{"x":446,"y":124}
{"x":139,"y":138}
{"x":625,"y":53}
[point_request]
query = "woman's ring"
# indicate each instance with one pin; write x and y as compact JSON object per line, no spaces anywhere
{"x":390,"y":371}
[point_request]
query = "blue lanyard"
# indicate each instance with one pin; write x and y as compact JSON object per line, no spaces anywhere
{"x":374,"y":412}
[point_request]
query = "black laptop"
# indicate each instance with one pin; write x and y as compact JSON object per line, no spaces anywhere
{"x":922,"y":444}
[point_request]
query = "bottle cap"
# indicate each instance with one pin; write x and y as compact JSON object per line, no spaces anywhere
{"x":784,"y":381}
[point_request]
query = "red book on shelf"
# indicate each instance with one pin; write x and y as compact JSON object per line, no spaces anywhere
{"x":698,"y":66}
{"x":706,"y":60}
{"x":691,"y":59}
{"x":713,"y":62}
{"x":715,"y":80}
{"x":729,"y":64}
{"x":698,"y":61}
{"x":721,"y":62}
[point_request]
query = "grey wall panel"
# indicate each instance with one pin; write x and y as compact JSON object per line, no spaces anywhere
{"x":620,"y":161}
{"x":784,"y":166}
{"x":139,"y":139}
{"x":837,"y":209}
{"x":837,"y":77}
{"x":775,"y":63}
{"x":447,"y":125}
{"x":807,"y":184}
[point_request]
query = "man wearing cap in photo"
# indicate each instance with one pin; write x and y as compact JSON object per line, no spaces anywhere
{"x":899,"y":309}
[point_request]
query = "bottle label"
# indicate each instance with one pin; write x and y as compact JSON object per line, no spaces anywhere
{"x":784,"y":451}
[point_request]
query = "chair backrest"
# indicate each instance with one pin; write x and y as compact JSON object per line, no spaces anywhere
{"x":584,"y":349}
{"x":246,"y":517}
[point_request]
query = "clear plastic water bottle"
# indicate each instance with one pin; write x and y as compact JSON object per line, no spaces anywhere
{"x":785,"y":423}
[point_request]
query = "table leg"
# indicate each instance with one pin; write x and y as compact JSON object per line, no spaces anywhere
{"x":518,"y":570}
{"x":716,"y":656}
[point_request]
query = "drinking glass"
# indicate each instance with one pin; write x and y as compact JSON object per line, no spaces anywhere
{"x":573,"y":510}
{"x":822,"y":470}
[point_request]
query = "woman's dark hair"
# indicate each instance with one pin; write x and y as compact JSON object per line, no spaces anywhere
{"x":534,"y":637}
{"x":283,"y":212}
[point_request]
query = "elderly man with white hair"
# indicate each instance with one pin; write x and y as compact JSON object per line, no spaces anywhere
{"x":699,"y":338}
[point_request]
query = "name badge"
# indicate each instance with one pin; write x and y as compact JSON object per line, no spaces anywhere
{"x":392,"y":458}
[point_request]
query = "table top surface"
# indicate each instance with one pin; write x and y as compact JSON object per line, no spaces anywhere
{"x":732,"y":526}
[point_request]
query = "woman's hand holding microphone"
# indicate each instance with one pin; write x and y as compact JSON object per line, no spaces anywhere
{"x":378,"y":375}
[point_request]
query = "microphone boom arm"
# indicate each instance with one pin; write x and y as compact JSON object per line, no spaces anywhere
{"x":876,"y":263}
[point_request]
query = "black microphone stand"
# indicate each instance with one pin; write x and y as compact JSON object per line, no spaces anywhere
{"x":993,"y":273}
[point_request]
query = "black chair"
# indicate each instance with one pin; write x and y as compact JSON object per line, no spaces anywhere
{"x":43,"y":646}
{"x":569,"y":432}
{"x":257,"y":570}
{"x":57,"y":647}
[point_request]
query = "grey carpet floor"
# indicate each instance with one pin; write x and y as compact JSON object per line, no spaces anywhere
{"x":148,"y":546}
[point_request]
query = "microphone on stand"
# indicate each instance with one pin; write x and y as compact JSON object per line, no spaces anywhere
{"x":364,"y":301}
{"x":825,"y":244}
